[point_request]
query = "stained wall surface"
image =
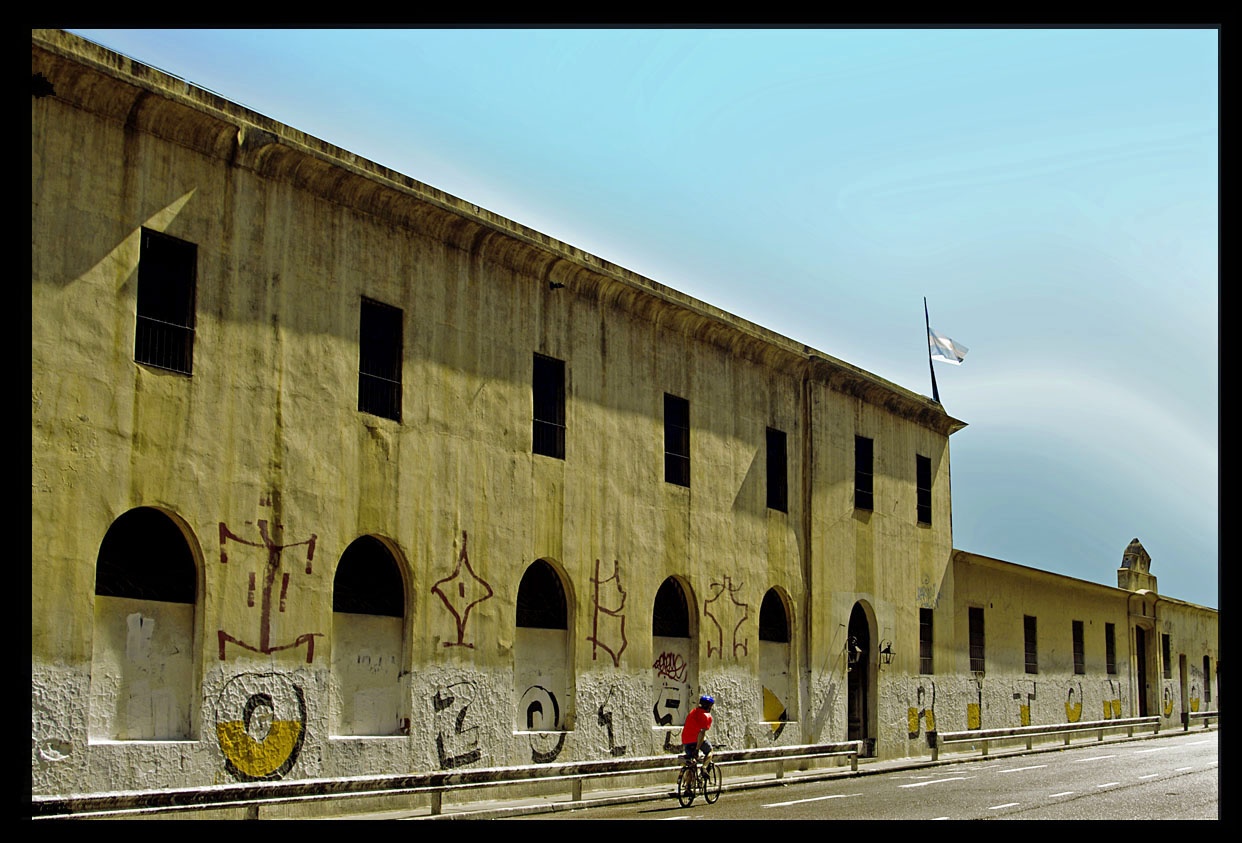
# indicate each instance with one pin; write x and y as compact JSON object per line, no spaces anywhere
{"x":261,"y":463}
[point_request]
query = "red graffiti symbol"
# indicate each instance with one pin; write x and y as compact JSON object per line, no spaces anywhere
{"x":670,"y":666}
{"x":613,"y":617}
{"x":726,"y":614}
{"x":271,"y":568}
{"x":456,"y":599}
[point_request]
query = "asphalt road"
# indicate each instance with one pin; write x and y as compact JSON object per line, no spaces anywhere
{"x":1167,"y":777}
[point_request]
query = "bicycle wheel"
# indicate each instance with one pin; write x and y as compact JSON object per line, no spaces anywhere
{"x":685,"y":786}
{"x":711,"y":784}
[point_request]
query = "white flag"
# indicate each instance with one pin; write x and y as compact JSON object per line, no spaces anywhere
{"x":945,"y":349}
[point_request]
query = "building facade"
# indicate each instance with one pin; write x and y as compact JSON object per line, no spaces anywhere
{"x":336,"y":474}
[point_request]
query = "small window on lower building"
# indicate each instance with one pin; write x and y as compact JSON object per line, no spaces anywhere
{"x":1166,"y":649}
{"x":1110,"y":649}
{"x":1031,"y":645}
{"x":676,"y":440}
{"x":923,"y":483}
{"x":1207,"y":679}
{"x":925,"y":641}
{"x":976,"y":639}
{"x":1080,"y":656}
{"x":164,"y":330}
{"x":778,"y":471}
{"x":380,"y":348}
{"x":864,"y":466}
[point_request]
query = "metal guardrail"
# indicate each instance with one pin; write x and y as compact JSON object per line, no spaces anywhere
{"x":253,"y":796}
{"x":1206,"y":716}
{"x":1029,"y":733}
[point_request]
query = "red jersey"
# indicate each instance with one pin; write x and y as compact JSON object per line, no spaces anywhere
{"x":697,"y":721}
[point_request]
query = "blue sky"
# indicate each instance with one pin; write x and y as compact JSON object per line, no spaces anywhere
{"x":1052,"y":192}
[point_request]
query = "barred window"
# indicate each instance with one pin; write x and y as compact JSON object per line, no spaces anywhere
{"x":864,"y":458}
{"x":1031,"y":645}
{"x":1110,"y":649}
{"x":164,"y":330}
{"x":925,"y":641}
{"x":778,"y":471}
{"x":923,"y":484}
{"x":676,"y":440}
{"x":379,"y":359}
{"x":1080,"y":656}
{"x":548,"y":389}
{"x":976,"y":639}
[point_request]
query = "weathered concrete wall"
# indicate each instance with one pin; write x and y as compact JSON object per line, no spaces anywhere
{"x":270,"y":471}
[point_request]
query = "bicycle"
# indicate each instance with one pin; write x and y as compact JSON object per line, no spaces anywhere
{"x":695,"y":779}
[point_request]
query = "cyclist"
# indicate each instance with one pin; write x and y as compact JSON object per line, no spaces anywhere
{"x":694,"y":733}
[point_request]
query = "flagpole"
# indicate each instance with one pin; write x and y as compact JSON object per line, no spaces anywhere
{"x":930,"y":367}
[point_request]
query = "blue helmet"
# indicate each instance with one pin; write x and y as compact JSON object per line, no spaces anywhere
{"x":707,"y":701}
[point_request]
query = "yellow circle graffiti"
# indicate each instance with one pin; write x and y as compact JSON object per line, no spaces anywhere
{"x":260,"y":724}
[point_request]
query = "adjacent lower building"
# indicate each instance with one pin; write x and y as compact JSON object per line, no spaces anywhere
{"x":335,"y":474}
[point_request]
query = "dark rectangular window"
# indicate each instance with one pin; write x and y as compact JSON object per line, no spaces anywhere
{"x":923,"y":484}
{"x":548,"y":388}
{"x":1166,"y":650}
{"x":925,"y":641}
{"x":778,"y":471}
{"x":1110,"y":649}
{"x":864,"y":459}
{"x":1207,"y":679}
{"x":164,"y":332}
{"x":1080,"y":655}
{"x":1031,"y":645}
{"x":379,"y":360}
{"x":976,"y":639}
{"x":676,"y":440}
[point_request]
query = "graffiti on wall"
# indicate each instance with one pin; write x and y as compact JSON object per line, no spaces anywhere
{"x":608,"y":622}
{"x":1025,"y":695}
{"x":669,"y":704}
{"x":260,"y":725}
{"x":274,"y":554}
{"x":923,"y":711}
{"x":604,"y":718}
{"x":1112,"y":699}
{"x":460,"y":592}
{"x":928,"y":595}
{"x":974,"y":710}
{"x":727,"y":615}
{"x":456,"y":743}
{"x":774,"y":712}
{"x":671,"y":666}
{"x":541,"y":712}
{"x":1167,"y":700}
{"x":1194,"y":696}
{"x":1073,"y":705}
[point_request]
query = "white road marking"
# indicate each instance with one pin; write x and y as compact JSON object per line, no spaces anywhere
{"x":1149,"y":776}
{"x":1094,"y":758}
{"x":1006,"y":805}
{"x":812,"y":799}
{"x":1062,"y":793}
{"x":1108,"y":784}
{"x":1020,"y":769}
{"x":938,"y":781}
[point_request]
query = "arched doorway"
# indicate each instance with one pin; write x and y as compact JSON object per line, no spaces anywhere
{"x":368,"y":628}
{"x":541,"y":668}
{"x":774,"y":658}
{"x":675,"y":663}
{"x":860,"y":680}
{"x":142,"y":661}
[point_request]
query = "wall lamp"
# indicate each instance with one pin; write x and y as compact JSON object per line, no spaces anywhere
{"x":886,"y":652}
